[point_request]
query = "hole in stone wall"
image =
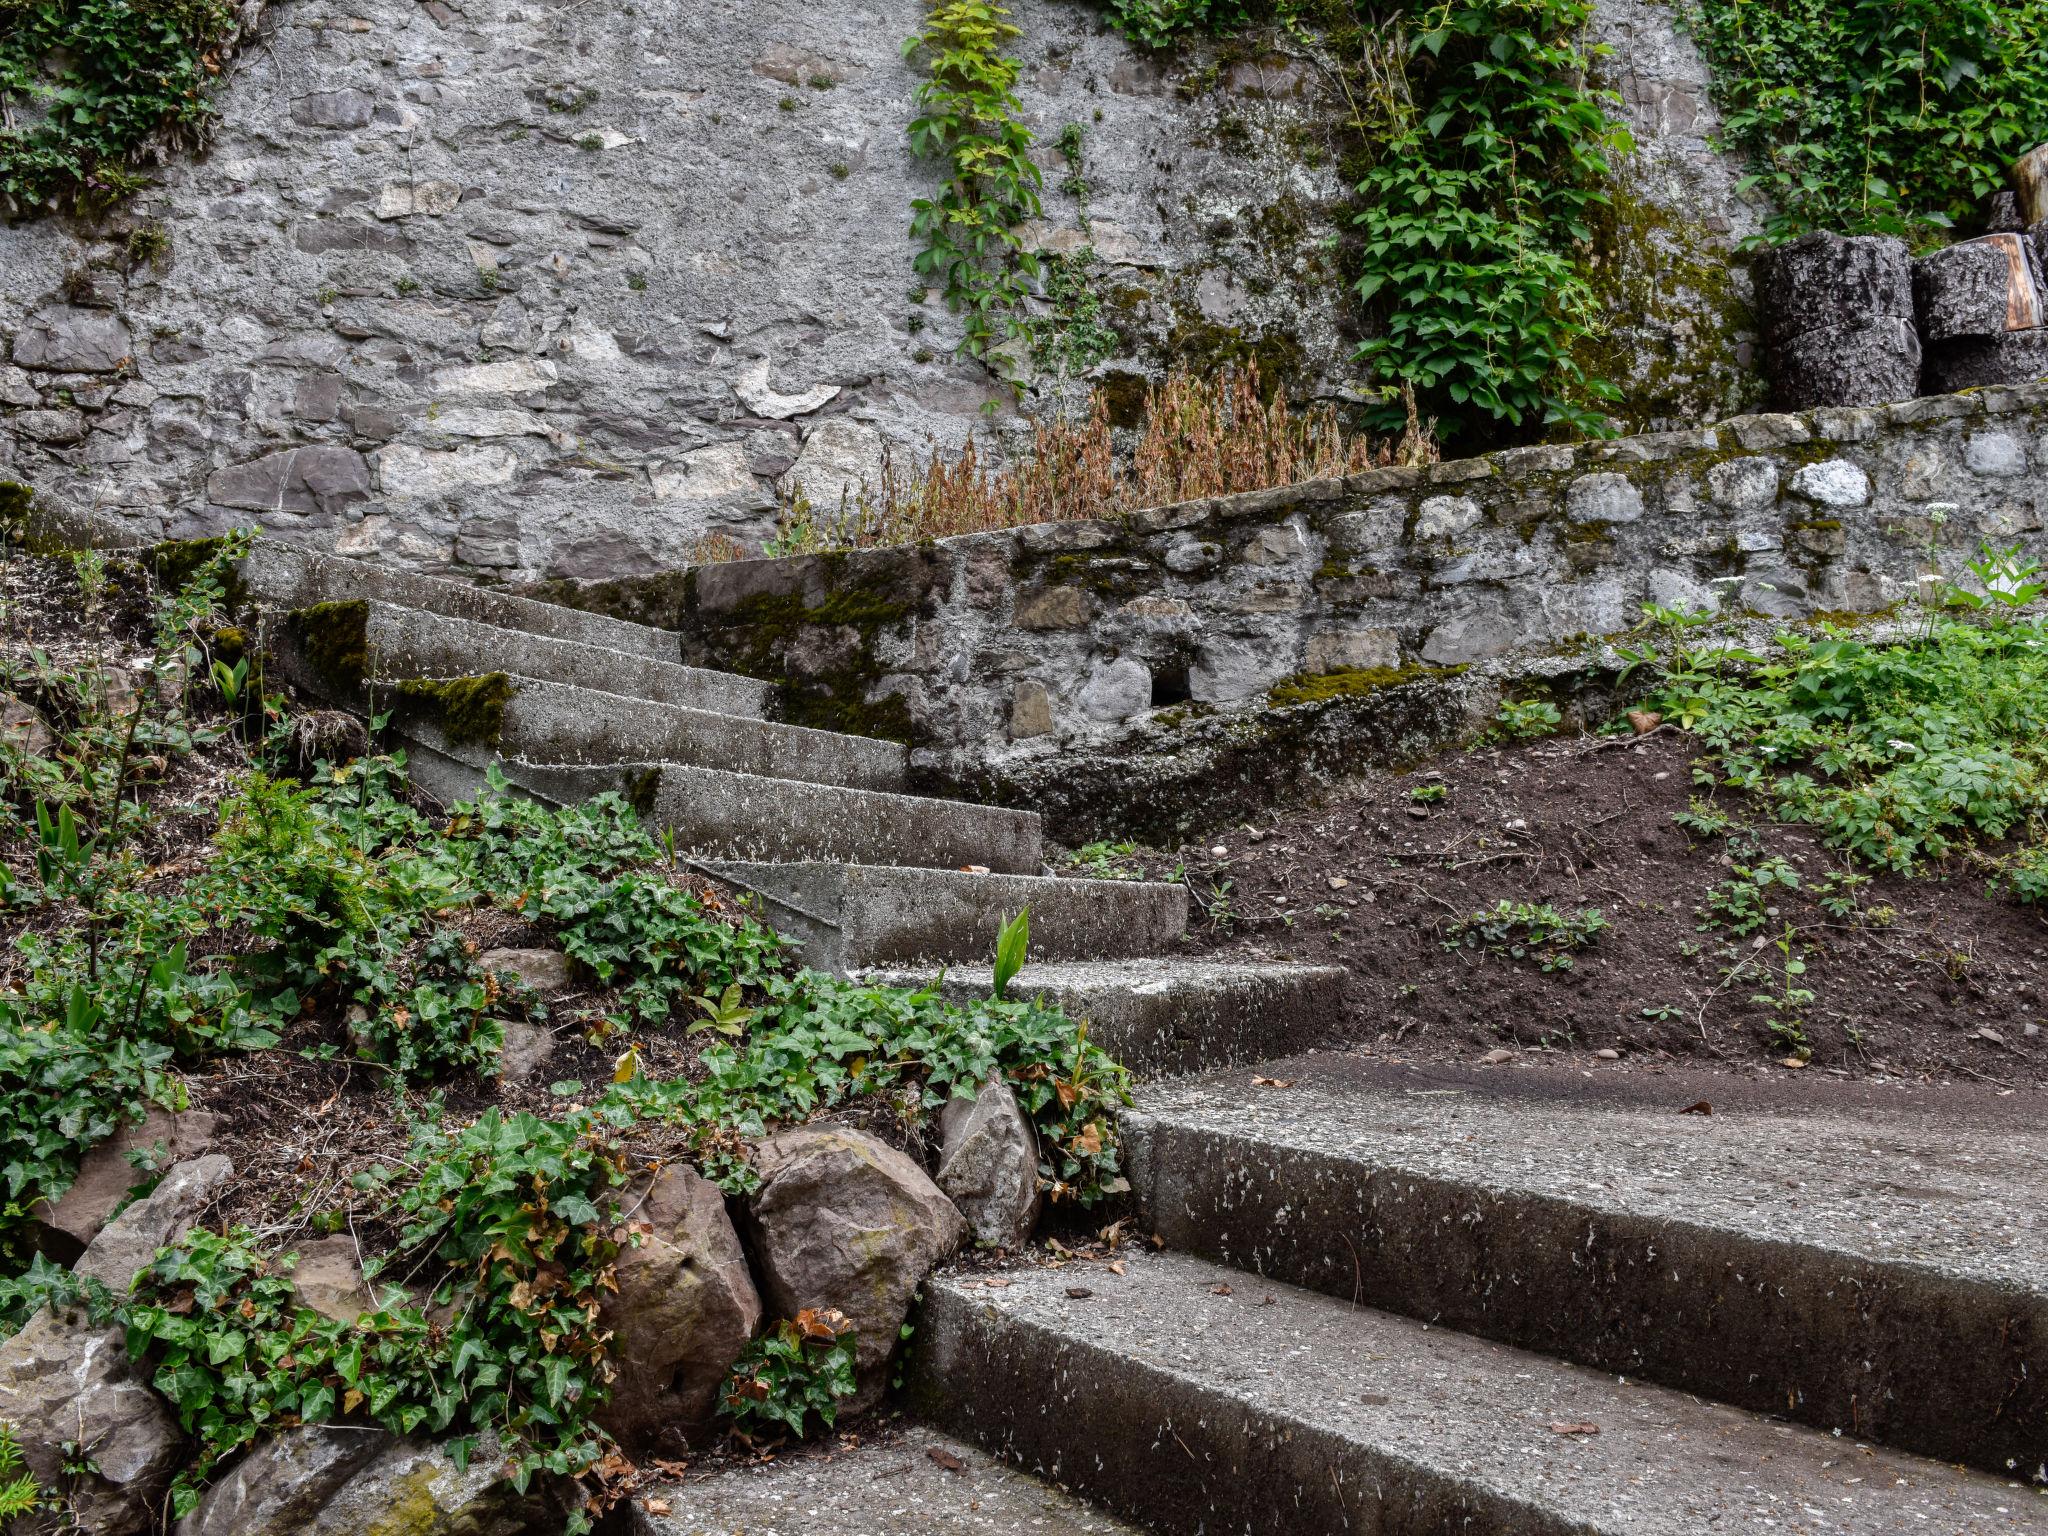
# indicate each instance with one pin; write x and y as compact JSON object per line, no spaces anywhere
{"x":1170,"y":684}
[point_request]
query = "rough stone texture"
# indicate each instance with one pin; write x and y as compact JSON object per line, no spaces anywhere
{"x":561,"y":292}
{"x":63,"y":1380}
{"x":988,"y":1165}
{"x":1821,"y":281}
{"x":2017,"y":357}
{"x":546,"y":971}
{"x":1490,"y":562}
{"x":131,"y":1239}
{"x":346,"y":1480}
{"x":106,"y":1176}
{"x":685,"y":1308}
{"x":843,"y":1220}
{"x":1864,"y":364}
{"x":329,"y":1278}
{"x":1978,"y":288}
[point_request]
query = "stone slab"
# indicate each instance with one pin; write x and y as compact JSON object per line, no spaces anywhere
{"x":1197,"y":1398}
{"x":911,"y":1481}
{"x":1865,"y":1268}
{"x":1161,"y":1016}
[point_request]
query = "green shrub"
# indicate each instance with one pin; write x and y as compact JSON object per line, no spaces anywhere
{"x":794,"y":1375}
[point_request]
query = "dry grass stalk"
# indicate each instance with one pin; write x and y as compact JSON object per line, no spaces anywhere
{"x":1203,"y":436}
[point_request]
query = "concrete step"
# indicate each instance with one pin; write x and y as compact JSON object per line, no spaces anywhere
{"x":368,"y":639}
{"x":1855,"y":1259}
{"x":743,"y":816}
{"x":888,"y":1481}
{"x":281,"y":576}
{"x":851,"y":915}
{"x":1199,"y":1399}
{"x":1160,"y":1017}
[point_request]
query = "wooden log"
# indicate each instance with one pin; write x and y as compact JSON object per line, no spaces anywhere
{"x":2029,"y":176}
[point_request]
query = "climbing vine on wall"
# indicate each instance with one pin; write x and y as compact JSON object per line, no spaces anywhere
{"x":1878,"y":116}
{"x":87,"y":85}
{"x":970,"y":121}
{"x":1489,"y":150}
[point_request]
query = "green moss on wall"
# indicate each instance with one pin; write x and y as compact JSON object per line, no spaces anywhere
{"x":334,"y":640}
{"x":1349,"y":683}
{"x":469,"y":711}
{"x":765,"y":636}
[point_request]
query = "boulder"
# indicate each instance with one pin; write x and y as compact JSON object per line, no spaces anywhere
{"x":683,"y":1312}
{"x":131,"y":1239}
{"x":842,"y":1220}
{"x":328,"y":1278}
{"x":63,"y":1380}
{"x":347,"y":1480}
{"x":1981,"y":287}
{"x":106,"y":1176}
{"x":544,"y":970}
{"x":1865,"y":364}
{"x":1823,"y":281}
{"x":1973,"y":362}
{"x":988,"y":1165}
{"x":23,"y":728}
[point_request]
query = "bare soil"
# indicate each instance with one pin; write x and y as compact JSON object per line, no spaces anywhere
{"x":1930,"y":976}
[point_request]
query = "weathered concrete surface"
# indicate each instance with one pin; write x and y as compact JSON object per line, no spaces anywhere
{"x":1198,"y":1398}
{"x":1162,"y":1016}
{"x":848,"y":915}
{"x":913,"y":1482}
{"x":1861,"y":1270}
{"x":745,"y":816}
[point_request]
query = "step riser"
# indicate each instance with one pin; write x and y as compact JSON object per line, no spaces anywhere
{"x":1195,"y":1026}
{"x":283,"y":577}
{"x":853,"y":916}
{"x":737,"y":816}
{"x":1945,"y":1367}
{"x":1158,"y":1447}
{"x":410,"y":643}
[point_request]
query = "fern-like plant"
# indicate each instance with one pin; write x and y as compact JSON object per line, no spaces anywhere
{"x":19,"y":1491}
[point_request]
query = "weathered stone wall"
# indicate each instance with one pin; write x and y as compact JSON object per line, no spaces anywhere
{"x":536,"y":289}
{"x":1056,"y":663}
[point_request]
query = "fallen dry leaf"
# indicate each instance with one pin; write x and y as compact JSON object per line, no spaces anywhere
{"x":997,"y":1283}
{"x":973,"y":869}
{"x":1701,"y":1108}
{"x":1575,"y":1429}
{"x":1272,"y":1082}
{"x":1794,"y":1063}
{"x":1115,"y":1266}
{"x":655,"y":1506}
{"x":1219,"y":1290}
{"x":1644,"y":720}
{"x":945,"y":1458}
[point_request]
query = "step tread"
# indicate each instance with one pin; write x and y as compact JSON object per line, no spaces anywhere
{"x":913,"y":1482}
{"x":1426,"y":1405}
{"x":1915,"y":1183}
{"x":1145,"y":977}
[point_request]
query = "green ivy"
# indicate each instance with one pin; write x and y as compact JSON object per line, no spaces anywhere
{"x":87,"y":83}
{"x":1490,"y":152}
{"x":1877,"y":116}
{"x":969,"y":119}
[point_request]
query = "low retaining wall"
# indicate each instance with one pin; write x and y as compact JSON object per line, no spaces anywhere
{"x":1072,"y":665}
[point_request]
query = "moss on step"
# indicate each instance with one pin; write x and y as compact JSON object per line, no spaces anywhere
{"x":468,"y":711}
{"x":1349,"y":683}
{"x":334,"y":640}
{"x":174,"y":562}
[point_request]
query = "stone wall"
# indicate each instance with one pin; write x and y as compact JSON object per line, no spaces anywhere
{"x":1181,"y":661}
{"x":531,"y":289}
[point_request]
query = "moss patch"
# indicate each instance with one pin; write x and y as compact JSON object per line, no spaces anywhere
{"x":16,"y":501}
{"x":174,"y":562}
{"x":1349,"y":683}
{"x":469,"y":711}
{"x":334,"y":639}
{"x":767,"y":636}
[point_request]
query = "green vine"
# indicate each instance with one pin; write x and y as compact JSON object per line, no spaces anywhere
{"x":85,"y":84}
{"x":1877,"y":116}
{"x":1491,"y":150}
{"x":970,"y":119}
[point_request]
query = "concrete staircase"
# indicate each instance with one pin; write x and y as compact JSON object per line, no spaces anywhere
{"x":1497,"y":1302}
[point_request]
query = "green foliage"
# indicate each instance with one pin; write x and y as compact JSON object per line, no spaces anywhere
{"x":970,"y":120}
{"x":1743,"y":902}
{"x":1524,"y":720}
{"x":1877,"y":116}
{"x":86,"y":84}
{"x":1489,"y":155}
{"x":1522,"y":930}
{"x":795,"y":1373}
{"x":1011,"y":944}
{"x":1900,"y":754}
{"x":1162,"y":23}
{"x":19,"y":1492}
{"x":1105,"y":861}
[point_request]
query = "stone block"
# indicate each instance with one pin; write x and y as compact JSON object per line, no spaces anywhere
{"x":1117,"y":689}
{"x":346,"y":108}
{"x":1353,"y":650}
{"x":1832,"y":483}
{"x":1443,"y":517}
{"x":1049,"y":608}
{"x":1603,"y":498}
{"x":72,"y":341}
{"x":312,"y":479}
{"x":1995,"y":454}
{"x":1743,"y":484}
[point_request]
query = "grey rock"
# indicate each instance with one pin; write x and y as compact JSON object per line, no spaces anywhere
{"x":57,"y":426}
{"x":546,"y":971}
{"x":1863,"y":363}
{"x":1604,"y":498}
{"x":843,"y":1220}
{"x":1978,"y":288}
{"x":988,"y":1165}
{"x":311,"y":479}
{"x":347,"y":108}
{"x":840,"y":458}
{"x":1825,"y":281}
{"x":1445,"y":516}
{"x":1053,"y":608}
{"x":348,"y":1480}
{"x":1347,"y":650}
{"x":1832,"y":483}
{"x":1030,"y":711}
{"x":23,"y":728}
{"x":328,"y":1278}
{"x":1995,"y":454}
{"x":526,"y":1050}
{"x":131,"y":1239}
{"x":684,"y":1310}
{"x":1116,"y":689}
{"x":72,"y":341}
{"x":1743,"y":485}
{"x":107,"y":1176}
{"x":61,"y":1380}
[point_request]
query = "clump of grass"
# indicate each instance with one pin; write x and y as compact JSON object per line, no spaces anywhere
{"x":1204,"y":435}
